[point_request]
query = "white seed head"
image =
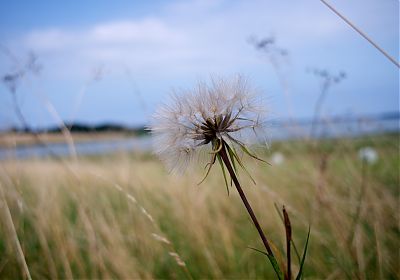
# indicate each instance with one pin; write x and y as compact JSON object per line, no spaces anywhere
{"x":225,"y":110}
{"x":368,"y":154}
{"x":277,"y":158}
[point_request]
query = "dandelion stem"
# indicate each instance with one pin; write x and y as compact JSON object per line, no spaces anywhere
{"x":228,"y":165}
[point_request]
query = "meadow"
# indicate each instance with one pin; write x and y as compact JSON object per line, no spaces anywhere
{"x":123,"y":216}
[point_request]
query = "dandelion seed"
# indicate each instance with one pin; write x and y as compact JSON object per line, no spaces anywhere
{"x":223,"y":111}
{"x":368,"y":154}
{"x":277,"y":158}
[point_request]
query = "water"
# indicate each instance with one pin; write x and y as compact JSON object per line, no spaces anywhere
{"x":275,"y":132}
{"x":332,"y":129}
{"x":94,"y":147}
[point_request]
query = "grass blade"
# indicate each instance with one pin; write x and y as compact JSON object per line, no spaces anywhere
{"x":232,"y":158}
{"x":272,"y":261}
{"x":300,"y":274}
{"x":240,"y":163}
{"x":223,"y":172}
{"x":276,"y":267}
{"x":246,"y":150}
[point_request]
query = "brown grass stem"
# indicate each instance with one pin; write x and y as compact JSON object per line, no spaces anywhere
{"x":288,"y":231}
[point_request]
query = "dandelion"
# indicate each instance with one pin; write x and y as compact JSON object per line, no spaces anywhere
{"x":368,"y":155}
{"x":277,"y":158}
{"x":225,"y":112}
{"x":217,"y":118}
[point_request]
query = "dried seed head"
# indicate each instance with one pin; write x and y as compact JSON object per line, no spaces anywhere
{"x":223,"y":110}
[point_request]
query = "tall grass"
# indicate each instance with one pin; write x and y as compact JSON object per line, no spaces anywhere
{"x":83,"y":226}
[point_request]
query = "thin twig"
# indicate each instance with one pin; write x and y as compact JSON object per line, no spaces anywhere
{"x":317,"y":108}
{"x":362,"y":34}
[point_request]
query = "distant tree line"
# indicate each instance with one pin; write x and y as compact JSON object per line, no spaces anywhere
{"x":85,"y":128}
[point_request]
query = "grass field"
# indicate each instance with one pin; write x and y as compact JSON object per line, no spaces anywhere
{"x":122,"y":216}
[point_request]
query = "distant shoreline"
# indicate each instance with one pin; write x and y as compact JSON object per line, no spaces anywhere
{"x":20,"y":139}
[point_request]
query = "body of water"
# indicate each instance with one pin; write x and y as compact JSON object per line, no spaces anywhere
{"x":275,"y":132}
{"x":94,"y":147}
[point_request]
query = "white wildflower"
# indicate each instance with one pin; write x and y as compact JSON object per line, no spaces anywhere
{"x":277,"y":158}
{"x":209,"y":114}
{"x":368,"y":154}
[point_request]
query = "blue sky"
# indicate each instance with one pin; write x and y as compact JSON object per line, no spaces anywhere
{"x":106,"y":61}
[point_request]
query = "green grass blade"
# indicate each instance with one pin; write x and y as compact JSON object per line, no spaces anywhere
{"x":257,"y":250}
{"x":300,"y":274}
{"x":246,"y":150}
{"x":234,"y":153}
{"x":272,"y":261}
{"x":231,"y":156}
{"x":275,"y":266}
{"x":223,"y":172}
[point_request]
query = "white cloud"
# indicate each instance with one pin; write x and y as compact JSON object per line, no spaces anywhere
{"x":201,"y":28}
{"x":49,"y":40}
{"x":196,"y":36}
{"x":148,"y":30}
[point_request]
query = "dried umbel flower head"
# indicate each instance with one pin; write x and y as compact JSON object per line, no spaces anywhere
{"x":225,"y":111}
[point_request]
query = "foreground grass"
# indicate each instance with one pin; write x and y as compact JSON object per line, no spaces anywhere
{"x":123,"y":216}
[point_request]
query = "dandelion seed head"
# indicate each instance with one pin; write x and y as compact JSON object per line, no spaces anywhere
{"x":368,"y":154}
{"x":193,"y":120}
{"x":277,"y":158}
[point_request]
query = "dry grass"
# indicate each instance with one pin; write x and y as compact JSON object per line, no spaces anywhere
{"x":123,"y":216}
